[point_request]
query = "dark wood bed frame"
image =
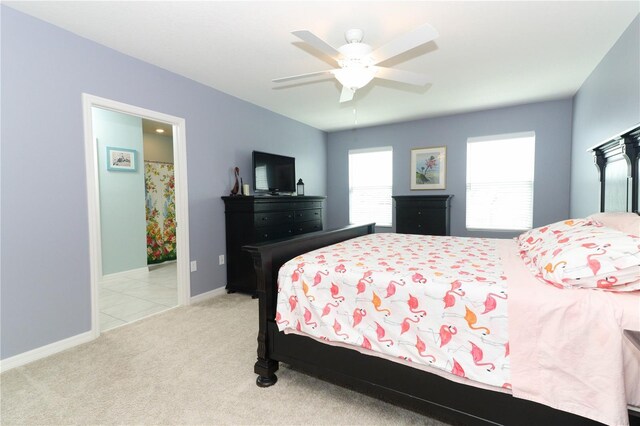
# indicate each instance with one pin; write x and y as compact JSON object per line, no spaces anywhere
{"x":618,"y":169}
{"x":415,"y":389}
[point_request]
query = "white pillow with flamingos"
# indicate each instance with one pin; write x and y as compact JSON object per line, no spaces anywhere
{"x":589,"y":257}
{"x":549,"y":234}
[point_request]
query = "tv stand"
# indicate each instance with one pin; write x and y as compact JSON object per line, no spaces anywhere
{"x":256,"y":219}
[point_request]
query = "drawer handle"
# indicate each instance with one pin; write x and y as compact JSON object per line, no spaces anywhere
{"x":419,"y":212}
{"x":419,"y":226}
{"x":265,"y":218}
{"x":299,"y":229}
{"x":289,"y":217}
{"x":316,"y":213}
{"x":266,"y":235}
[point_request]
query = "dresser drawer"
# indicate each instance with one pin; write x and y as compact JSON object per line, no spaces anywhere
{"x":273,"y":233}
{"x":272,"y":218}
{"x":426,"y":228}
{"x":420,"y":224}
{"x":306,"y":215}
{"x":310,"y":226}
{"x":416,"y":212}
{"x":307,"y":205}
{"x":266,"y":204}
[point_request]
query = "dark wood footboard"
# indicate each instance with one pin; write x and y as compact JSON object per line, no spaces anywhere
{"x":415,"y":389}
{"x":267,"y":260}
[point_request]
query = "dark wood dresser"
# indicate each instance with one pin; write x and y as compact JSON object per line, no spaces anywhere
{"x":423,"y":214}
{"x":252,"y":220}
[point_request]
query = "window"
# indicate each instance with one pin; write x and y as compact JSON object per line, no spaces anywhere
{"x":370,"y":183}
{"x":500,"y":182}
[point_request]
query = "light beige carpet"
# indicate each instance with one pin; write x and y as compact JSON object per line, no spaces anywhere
{"x":190,"y":365}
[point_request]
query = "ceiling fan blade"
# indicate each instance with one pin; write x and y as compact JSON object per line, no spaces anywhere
{"x":408,"y":41}
{"x":317,"y":42}
{"x":346,"y":95}
{"x":295,"y":77}
{"x":402,"y":76}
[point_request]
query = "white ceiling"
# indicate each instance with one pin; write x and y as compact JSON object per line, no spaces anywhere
{"x":150,"y":126}
{"x":489,"y":54}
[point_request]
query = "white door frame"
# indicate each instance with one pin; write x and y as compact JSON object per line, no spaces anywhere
{"x":93,"y":197}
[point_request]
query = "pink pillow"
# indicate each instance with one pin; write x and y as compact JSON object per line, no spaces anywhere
{"x":628,"y":223}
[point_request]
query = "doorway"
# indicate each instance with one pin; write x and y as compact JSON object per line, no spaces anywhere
{"x":146,"y":288}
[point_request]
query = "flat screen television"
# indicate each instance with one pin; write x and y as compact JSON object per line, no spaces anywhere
{"x":273,"y":174}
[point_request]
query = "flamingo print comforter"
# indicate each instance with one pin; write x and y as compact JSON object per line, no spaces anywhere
{"x":434,"y":301}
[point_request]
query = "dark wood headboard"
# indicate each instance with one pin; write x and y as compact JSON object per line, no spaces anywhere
{"x":617,"y":162}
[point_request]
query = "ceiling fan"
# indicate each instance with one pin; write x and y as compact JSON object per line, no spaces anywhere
{"x":358,"y":62}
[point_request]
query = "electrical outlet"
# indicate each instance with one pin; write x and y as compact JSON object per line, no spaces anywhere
{"x":194,"y":266}
{"x":221,"y":259}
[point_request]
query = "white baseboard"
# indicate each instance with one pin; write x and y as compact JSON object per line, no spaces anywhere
{"x":117,"y":274}
{"x":208,"y":295}
{"x":61,"y":345}
{"x":44,"y":351}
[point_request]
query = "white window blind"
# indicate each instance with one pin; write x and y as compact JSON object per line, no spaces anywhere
{"x":370,"y":184}
{"x":500,"y":182}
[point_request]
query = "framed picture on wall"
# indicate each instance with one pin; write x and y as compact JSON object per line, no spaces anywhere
{"x":121,"y":159}
{"x":428,"y":168}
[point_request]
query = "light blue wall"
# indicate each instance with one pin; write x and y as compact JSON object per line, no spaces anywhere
{"x":551,"y":122}
{"x":45,"y":239}
{"x":607,"y":104}
{"x":122,"y":212}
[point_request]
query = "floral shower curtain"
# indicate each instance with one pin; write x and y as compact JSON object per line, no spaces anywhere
{"x":161,"y":211}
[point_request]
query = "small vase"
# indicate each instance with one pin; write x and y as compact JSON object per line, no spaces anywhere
{"x":236,"y":186}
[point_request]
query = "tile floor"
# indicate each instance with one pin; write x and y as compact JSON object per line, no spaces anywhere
{"x":135,"y":295}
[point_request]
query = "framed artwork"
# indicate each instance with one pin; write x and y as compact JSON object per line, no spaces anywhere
{"x":121,"y":159}
{"x":428,"y":168}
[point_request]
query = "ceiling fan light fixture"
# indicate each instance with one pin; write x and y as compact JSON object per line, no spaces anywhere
{"x":356,"y":51}
{"x":358,"y":62}
{"x":355,"y":78}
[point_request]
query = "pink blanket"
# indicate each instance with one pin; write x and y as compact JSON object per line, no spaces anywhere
{"x":563,"y":351}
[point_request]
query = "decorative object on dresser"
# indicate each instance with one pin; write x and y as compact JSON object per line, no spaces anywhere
{"x":252,"y":220}
{"x":300,"y":187}
{"x":428,"y":168}
{"x":425,"y":215}
{"x":236,"y":186}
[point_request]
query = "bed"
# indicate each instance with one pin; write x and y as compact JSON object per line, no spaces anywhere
{"x":426,"y":388}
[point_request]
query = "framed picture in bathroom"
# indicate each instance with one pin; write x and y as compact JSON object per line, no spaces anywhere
{"x":121,"y":159}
